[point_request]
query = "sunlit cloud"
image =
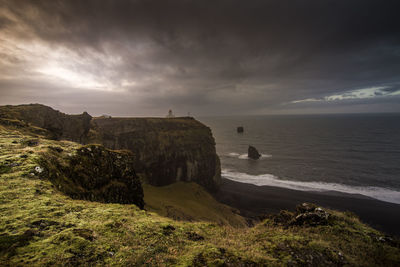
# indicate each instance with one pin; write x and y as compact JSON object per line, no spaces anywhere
{"x":71,"y":78}
{"x":58,"y":65}
{"x":365,"y":93}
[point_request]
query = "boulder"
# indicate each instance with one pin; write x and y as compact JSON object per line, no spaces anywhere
{"x":252,"y":153}
{"x":240,"y":129}
{"x":94,"y":173}
{"x":311,"y":215}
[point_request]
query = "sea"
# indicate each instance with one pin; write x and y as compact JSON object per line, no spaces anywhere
{"x":345,"y":153}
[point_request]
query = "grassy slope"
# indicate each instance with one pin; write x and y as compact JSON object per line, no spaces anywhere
{"x":189,"y":202}
{"x":41,"y":226}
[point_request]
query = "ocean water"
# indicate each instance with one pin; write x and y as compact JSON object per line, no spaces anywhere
{"x":349,"y":153}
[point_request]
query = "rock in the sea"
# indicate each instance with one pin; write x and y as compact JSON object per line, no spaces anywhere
{"x":240,"y":129}
{"x":252,"y":153}
{"x":94,"y":173}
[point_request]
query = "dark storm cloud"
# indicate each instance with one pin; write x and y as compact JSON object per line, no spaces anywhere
{"x":145,"y":57}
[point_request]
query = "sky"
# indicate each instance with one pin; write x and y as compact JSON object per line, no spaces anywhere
{"x":142,"y":58}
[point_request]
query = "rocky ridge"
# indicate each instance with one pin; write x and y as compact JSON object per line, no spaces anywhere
{"x":164,"y":150}
{"x":57,"y":125}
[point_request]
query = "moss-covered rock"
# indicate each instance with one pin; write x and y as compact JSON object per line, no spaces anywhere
{"x":94,"y":173}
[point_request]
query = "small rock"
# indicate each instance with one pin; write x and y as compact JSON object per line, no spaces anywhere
{"x":31,"y":142}
{"x":194,"y":236}
{"x":306,"y":207}
{"x":252,"y":153}
{"x":30,"y":232}
{"x":284,"y":217}
{"x":38,"y":169}
{"x":56,"y":148}
{"x":168,"y":229}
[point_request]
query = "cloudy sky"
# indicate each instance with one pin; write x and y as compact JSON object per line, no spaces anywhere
{"x":137,"y":58}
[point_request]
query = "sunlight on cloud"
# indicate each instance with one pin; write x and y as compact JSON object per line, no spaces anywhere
{"x":71,"y":78}
{"x":365,"y":93}
{"x":57,"y":65}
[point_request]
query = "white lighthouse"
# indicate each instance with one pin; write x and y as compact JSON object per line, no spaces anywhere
{"x":170,"y":114}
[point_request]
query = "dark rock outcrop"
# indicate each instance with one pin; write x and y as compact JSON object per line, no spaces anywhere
{"x":94,"y":173}
{"x":307,"y":214}
{"x":58,"y":125}
{"x":240,"y":129}
{"x":252,"y":153}
{"x":310,"y":214}
{"x":165,"y":150}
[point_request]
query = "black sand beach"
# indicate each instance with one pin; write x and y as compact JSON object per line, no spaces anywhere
{"x":254,"y":200}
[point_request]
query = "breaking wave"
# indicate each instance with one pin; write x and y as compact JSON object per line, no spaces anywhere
{"x":379,"y":193}
{"x":244,"y":156}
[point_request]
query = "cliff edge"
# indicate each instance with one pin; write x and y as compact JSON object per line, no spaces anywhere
{"x":57,"y":124}
{"x":164,"y":150}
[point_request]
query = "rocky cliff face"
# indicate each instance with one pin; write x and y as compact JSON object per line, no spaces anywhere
{"x":165,"y":150}
{"x":94,"y":173}
{"x":58,"y":125}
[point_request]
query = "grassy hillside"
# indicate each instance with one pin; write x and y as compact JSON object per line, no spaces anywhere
{"x":189,"y":202}
{"x":41,"y":226}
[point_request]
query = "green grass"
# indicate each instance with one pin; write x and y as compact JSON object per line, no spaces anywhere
{"x":40,"y":226}
{"x":189,"y":202}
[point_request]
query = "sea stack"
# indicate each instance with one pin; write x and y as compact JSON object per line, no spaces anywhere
{"x":252,"y":153}
{"x":240,"y":129}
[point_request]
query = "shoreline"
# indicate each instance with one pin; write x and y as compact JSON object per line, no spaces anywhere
{"x":253,"y":201}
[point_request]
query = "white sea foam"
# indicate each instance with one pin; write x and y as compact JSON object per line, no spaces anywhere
{"x":380,"y":193}
{"x":244,"y":156}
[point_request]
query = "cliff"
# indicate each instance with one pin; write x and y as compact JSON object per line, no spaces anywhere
{"x":58,"y":125}
{"x":164,"y":150}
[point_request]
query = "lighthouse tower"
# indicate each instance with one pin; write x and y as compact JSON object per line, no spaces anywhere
{"x":170,"y":114}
